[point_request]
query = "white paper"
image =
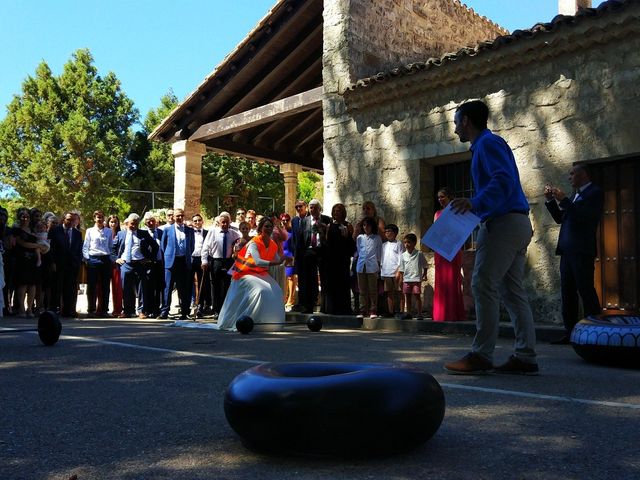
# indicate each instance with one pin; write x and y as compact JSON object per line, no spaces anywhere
{"x":447,"y":234}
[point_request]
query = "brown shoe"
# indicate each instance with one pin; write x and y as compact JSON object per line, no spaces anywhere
{"x":142,"y":316}
{"x":515,"y":366}
{"x":470,"y":364}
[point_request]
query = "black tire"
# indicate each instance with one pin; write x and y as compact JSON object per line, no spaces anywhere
{"x":608,"y":339}
{"x":336,"y":409}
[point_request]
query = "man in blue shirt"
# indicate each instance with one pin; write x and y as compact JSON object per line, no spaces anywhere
{"x":505,"y":233}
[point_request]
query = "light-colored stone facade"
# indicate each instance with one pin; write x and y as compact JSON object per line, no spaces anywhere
{"x":562,"y":107}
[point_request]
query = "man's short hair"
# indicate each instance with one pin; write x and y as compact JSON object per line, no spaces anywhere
{"x":132,"y":217}
{"x":315,"y":201}
{"x":393,"y":227}
{"x":476,"y":111}
{"x":584,"y":167}
{"x":411,"y":237}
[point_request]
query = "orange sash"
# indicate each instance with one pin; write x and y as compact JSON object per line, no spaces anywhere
{"x":247,"y":265}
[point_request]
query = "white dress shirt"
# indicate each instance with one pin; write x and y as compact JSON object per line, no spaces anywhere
{"x":212,"y":245}
{"x":97,"y":242}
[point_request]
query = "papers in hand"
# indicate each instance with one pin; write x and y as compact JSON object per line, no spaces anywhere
{"x":447,"y":234}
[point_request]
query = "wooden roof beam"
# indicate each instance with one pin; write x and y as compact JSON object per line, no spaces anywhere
{"x":257,"y":116}
{"x":252,"y":152}
{"x":313,"y":135}
{"x":293,"y":133}
{"x":274,"y":77}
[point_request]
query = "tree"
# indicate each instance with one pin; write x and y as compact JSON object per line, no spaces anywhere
{"x":309,"y":186}
{"x":226,"y":181}
{"x":237,"y":181}
{"x":150,"y":165}
{"x":65,"y":139}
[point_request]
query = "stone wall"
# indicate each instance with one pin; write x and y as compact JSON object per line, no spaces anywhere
{"x":385,"y":34}
{"x":572,"y":107}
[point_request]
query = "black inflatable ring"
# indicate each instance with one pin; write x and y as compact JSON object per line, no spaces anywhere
{"x":610,"y":339}
{"x":339,"y":409}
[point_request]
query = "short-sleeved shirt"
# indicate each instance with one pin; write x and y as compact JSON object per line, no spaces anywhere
{"x":412,"y":265}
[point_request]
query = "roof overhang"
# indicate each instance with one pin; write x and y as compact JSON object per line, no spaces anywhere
{"x":264,"y":101}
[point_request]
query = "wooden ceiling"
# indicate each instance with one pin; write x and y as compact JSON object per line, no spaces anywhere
{"x":264,"y":101}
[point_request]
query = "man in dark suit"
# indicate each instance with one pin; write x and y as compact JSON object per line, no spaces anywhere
{"x":66,"y":252}
{"x":201,"y":284}
{"x":296,"y":224}
{"x":177,"y":248}
{"x":579,"y":217}
{"x":137,"y":251}
{"x":156,"y":274}
{"x":310,"y":244}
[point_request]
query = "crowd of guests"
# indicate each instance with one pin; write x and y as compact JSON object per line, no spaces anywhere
{"x":134,"y":266}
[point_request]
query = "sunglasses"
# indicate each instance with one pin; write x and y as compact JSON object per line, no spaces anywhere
{"x":298,"y":207}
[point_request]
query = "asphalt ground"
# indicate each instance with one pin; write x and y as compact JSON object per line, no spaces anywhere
{"x":132,"y":399}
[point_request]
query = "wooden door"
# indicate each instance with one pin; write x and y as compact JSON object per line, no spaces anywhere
{"x":617,"y":264}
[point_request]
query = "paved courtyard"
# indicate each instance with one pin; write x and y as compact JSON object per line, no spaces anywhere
{"x":131,"y":399}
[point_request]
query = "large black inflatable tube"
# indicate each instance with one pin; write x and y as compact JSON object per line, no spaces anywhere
{"x":339,"y":409}
{"x":610,"y":339}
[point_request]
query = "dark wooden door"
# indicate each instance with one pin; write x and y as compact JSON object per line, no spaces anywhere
{"x":617,"y":264}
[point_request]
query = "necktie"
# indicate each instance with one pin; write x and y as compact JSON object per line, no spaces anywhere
{"x":69,"y":235}
{"x":224,"y":244}
{"x":577,"y":196}
{"x":314,"y":233}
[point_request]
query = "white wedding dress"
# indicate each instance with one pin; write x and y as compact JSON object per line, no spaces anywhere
{"x":258,"y":296}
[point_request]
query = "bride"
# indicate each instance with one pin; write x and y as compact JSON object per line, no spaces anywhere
{"x":253,"y":291}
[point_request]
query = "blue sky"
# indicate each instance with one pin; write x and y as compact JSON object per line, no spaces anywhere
{"x":154,"y":45}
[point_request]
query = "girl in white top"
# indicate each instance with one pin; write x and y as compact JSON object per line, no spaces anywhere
{"x":369,"y":249}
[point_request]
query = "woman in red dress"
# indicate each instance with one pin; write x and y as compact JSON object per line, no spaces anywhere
{"x":448,"y":304}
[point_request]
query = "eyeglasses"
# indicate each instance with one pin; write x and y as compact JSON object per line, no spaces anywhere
{"x":298,"y":207}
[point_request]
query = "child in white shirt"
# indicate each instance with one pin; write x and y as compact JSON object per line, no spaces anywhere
{"x":391,"y":252}
{"x":411,"y":271}
{"x":369,"y":248}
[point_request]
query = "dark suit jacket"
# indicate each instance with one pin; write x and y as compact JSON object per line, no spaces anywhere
{"x":579,"y":221}
{"x":168,"y":245}
{"x":306,"y":225}
{"x":157,"y":236}
{"x":148,"y":246}
{"x":62,"y":252}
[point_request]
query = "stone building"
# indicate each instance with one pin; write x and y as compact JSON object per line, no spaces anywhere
{"x":365,"y":91}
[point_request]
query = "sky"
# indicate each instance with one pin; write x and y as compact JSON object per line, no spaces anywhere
{"x":156,"y":45}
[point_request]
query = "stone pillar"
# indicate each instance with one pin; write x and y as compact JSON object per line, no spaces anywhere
{"x":570,"y":7}
{"x":187,"y":185}
{"x":290,"y":173}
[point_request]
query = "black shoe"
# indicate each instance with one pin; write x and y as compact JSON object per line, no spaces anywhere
{"x":515,"y":366}
{"x":561,"y":341}
{"x":162,"y":316}
{"x":183,"y":317}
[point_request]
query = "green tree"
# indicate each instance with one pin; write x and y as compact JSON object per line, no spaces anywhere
{"x":226,"y":181}
{"x":309,"y":186}
{"x":65,"y":139}
{"x":150,"y":165}
{"x":237,"y":181}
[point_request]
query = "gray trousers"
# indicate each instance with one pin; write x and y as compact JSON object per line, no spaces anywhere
{"x":498,"y":275}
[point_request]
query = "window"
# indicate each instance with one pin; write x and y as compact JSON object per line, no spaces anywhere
{"x":457,"y":177}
